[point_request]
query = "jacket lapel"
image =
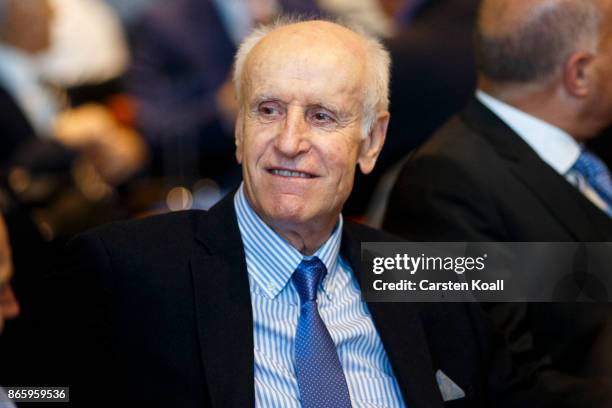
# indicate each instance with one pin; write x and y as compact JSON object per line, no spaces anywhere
{"x":563,"y":200}
{"x":225,"y":322}
{"x":223,"y":308}
{"x":402,"y":335}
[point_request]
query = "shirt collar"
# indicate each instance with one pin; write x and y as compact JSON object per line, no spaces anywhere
{"x":16,"y":66}
{"x":556,"y":147}
{"x":271,"y":260}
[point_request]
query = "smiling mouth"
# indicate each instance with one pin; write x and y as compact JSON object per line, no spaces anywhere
{"x":290,"y":173}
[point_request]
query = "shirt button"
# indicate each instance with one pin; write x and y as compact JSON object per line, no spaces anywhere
{"x":271,"y":287}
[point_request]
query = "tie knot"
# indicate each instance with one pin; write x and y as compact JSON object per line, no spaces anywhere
{"x":589,"y":165}
{"x":307,"y":278}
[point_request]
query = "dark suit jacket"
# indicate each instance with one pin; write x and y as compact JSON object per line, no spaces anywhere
{"x":164,"y":319}
{"x":476,"y":180}
{"x":16,"y":128}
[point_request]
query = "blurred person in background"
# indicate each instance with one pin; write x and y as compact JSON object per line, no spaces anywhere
{"x":43,"y":140}
{"x":180,"y":77}
{"x":58,"y":168}
{"x":88,"y":46}
{"x":513,"y":167}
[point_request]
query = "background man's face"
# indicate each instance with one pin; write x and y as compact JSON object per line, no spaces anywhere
{"x":299,"y":133}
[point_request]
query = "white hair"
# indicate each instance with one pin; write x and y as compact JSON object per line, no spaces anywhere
{"x":378,"y":60}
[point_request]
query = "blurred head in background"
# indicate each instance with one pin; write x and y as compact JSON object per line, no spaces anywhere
{"x":26,"y":24}
{"x":551,"y":58}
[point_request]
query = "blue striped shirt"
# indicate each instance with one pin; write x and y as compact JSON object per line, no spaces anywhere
{"x":270,"y":263}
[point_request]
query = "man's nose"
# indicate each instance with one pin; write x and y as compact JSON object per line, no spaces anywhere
{"x":293,"y":138}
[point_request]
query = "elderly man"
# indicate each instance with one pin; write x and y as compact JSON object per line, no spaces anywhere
{"x":512,"y":166}
{"x":257,"y":301}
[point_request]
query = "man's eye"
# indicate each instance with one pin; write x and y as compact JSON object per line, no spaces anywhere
{"x":322,"y":117}
{"x":268,"y":110}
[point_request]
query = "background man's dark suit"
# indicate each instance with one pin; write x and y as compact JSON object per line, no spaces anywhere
{"x":476,"y":180}
{"x":165,"y":319}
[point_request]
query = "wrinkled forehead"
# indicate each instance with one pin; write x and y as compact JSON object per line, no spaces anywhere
{"x":318,"y":62}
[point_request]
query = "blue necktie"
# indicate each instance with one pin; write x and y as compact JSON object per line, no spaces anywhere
{"x":596,"y":174}
{"x":319,"y":372}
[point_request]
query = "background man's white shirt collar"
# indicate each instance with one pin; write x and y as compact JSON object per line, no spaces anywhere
{"x":555,"y":146}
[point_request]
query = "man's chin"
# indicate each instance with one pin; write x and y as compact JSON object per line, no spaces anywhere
{"x":288,"y":216}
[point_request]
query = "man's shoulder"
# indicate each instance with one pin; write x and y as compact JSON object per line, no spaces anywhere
{"x":455,"y":141}
{"x":363,"y":233}
{"x":179,"y":222}
{"x":144,"y":238}
{"x":455,"y":154}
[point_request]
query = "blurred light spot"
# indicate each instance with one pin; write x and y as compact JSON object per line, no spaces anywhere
{"x":90,"y":182}
{"x":206,"y":193}
{"x":46,"y":230}
{"x":179,"y":198}
{"x":19,"y":179}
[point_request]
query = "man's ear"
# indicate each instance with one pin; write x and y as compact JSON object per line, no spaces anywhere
{"x":372,"y":145}
{"x":239,"y":136}
{"x":577,"y":74}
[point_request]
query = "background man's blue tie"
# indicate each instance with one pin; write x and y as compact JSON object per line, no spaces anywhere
{"x":319,"y":372}
{"x":596,"y":174}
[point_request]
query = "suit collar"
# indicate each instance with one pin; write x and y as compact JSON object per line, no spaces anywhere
{"x":405,"y":343}
{"x":223,"y":308}
{"x":553,"y":145}
{"x":562,"y":199}
{"x":225,"y":320}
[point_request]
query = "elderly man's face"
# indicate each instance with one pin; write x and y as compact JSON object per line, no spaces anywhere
{"x":299,"y":135}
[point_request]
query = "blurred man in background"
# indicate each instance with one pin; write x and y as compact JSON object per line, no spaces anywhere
{"x":88,"y":44}
{"x":44,"y":143}
{"x":513,"y":167}
{"x":56,"y":165}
